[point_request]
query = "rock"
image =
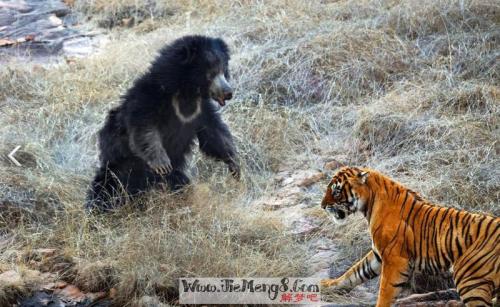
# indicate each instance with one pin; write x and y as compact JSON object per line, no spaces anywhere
{"x":279,"y":201}
{"x":333,"y":165}
{"x":41,"y":29}
{"x":306,"y":182}
{"x":448,"y":297}
{"x":61,"y":294}
{"x":54,"y":285}
{"x":70,"y":293}
{"x":20,"y":6}
{"x":16,"y":284}
{"x":290,"y":192}
{"x":298,"y":178}
{"x":113,"y":293}
{"x":42,"y":299}
{"x":286,"y":196}
{"x":323,"y":252}
{"x":95,"y":296}
{"x":6,"y":42}
{"x":55,"y":21}
{"x":11,"y":278}
{"x":304,"y":227}
{"x":20,"y":278}
{"x":80,"y":46}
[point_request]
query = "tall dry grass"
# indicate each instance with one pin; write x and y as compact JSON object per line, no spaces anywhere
{"x":409,"y":88}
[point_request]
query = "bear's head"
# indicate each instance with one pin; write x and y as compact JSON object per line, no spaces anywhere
{"x":201,"y":65}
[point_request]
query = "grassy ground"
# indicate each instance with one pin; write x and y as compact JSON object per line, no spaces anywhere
{"x":409,"y":88}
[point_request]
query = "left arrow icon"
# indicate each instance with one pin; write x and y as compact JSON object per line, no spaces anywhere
{"x":11,"y":156}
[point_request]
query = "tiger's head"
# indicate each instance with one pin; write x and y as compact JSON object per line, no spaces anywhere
{"x":346,"y":193}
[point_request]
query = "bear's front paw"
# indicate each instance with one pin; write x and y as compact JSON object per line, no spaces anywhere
{"x":161,"y":165}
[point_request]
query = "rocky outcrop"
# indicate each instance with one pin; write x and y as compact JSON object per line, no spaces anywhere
{"x":47,"y":281}
{"x":40,"y":29}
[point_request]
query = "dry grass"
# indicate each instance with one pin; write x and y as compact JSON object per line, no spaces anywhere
{"x":409,"y":88}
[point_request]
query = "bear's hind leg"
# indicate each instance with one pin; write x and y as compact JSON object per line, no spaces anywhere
{"x":105,"y":191}
{"x":114,"y":185}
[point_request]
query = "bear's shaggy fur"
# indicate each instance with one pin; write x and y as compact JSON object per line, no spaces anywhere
{"x":145,"y":140}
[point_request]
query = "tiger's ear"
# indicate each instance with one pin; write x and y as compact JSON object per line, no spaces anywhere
{"x":363,"y":177}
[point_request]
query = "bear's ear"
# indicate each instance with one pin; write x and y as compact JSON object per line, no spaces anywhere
{"x":188,"y":53}
{"x":222,"y":46}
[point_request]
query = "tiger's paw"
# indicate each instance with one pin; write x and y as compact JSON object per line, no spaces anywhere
{"x":328,"y":283}
{"x":335,"y":286}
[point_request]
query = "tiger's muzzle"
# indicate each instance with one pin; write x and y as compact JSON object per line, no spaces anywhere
{"x":339,"y":210}
{"x":339,"y":214}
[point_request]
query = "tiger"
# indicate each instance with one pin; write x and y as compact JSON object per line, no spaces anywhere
{"x":410,"y":234}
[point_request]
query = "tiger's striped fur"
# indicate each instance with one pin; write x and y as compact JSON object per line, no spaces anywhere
{"x":411,"y":234}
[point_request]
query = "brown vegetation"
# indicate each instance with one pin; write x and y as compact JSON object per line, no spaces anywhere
{"x":406,"y":87}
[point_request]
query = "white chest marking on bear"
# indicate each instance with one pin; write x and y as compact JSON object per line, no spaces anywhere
{"x":183,"y":118}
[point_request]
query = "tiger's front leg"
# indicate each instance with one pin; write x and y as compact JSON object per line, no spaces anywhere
{"x":395,"y":274}
{"x":365,"y":269}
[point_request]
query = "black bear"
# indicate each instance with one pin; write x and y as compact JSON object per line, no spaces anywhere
{"x":145,"y":140}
